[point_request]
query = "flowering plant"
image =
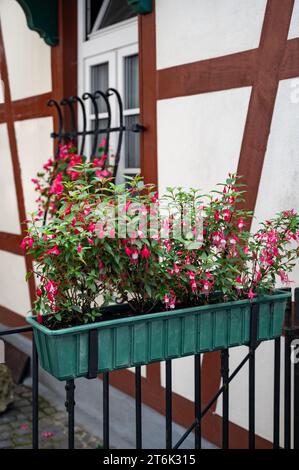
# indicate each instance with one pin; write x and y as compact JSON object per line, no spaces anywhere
{"x":231,"y":263}
{"x":50,"y":183}
{"x":106,"y":242}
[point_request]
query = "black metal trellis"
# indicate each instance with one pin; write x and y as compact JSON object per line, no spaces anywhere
{"x":76,"y":106}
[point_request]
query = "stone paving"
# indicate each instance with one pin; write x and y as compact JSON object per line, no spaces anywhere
{"x":15,"y":425}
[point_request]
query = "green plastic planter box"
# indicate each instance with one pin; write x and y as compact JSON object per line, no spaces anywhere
{"x":143,"y":339}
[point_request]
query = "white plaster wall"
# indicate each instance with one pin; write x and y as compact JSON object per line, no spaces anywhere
{"x":9,"y":215}
{"x":14,"y":293}
{"x":294,"y":26}
{"x":1,"y":90}
{"x":192,"y":30}
{"x":34,"y":147}
{"x":28,"y":57}
{"x":182,"y":377}
{"x":199,"y":138}
{"x":278,"y":188}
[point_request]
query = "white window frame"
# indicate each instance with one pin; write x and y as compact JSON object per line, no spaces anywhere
{"x":122,"y":53}
{"x":111,"y":45}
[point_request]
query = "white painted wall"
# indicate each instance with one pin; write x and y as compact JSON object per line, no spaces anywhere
{"x":28,"y":57}
{"x":9,"y":214}
{"x":279,"y":182}
{"x":294,"y":26}
{"x":34,"y":148}
{"x":191,"y":30}
{"x":14,"y":293}
{"x":199,"y":138}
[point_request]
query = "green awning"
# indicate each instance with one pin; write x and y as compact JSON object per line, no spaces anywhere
{"x":42,"y":17}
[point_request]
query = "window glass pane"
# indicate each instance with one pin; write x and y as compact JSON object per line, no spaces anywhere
{"x":131,"y":82}
{"x":92,"y":10}
{"x":118,"y":10}
{"x":100,"y":81}
{"x":132,"y":151}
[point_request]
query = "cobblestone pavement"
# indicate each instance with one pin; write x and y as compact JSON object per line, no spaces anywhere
{"x":15,"y":425}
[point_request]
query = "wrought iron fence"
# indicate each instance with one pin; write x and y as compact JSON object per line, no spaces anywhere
{"x":290,"y":388}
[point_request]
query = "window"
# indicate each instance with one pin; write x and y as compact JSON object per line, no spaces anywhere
{"x":103,"y":13}
{"x":131,"y":113}
{"x":108,"y":58}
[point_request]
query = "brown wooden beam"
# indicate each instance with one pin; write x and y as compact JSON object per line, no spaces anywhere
{"x":11,"y":242}
{"x":221,"y":73}
{"x":259,"y":117}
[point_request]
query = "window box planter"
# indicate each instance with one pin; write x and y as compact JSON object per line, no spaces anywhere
{"x":139,"y":340}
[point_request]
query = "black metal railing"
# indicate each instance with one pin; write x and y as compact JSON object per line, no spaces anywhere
{"x":290,"y":389}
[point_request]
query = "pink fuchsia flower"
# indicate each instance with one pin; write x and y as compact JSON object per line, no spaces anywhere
{"x":285,"y":278}
{"x":68,"y":209}
{"x":128,"y":251}
{"x":90,"y":241}
{"x":64,"y":150}
{"x":240,"y":224}
{"x":24,"y":426}
{"x":38,"y":292}
{"x":47,"y":434}
{"x":193,"y":286}
{"x":79,"y":248}
{"x":233,"y":240}
{"x":48,"y":165}
{"x":91,"y":227}
{"x":106,"y":173}
{"x":103,"y":143}
{"x":51,"y":287}
{"x":216,"y":216}
{"x":251,"y":294}
{"x":27,"y":242}
{"x":246,"y":250}
{"x":57,"y":186}
{"x":127,"y":205}
{"x":99,"y":162}
{"x":75,"y":160}
{"x":53,"y":251}
{"x":135,"y":255}
{"x":168,"y":245}
{"x":154,"y":197}
{"x":239,"y":282}
{"x":169,"y":300}
{"x":176,"y":268}
{"x":145,"y":253}
{"x":227,"y":215}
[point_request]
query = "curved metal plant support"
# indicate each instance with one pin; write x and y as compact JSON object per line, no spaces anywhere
{"x":66,"y":111}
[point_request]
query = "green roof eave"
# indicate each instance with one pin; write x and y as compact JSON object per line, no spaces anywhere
{"x":42,"y":17}
{"x":141,"y":7}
